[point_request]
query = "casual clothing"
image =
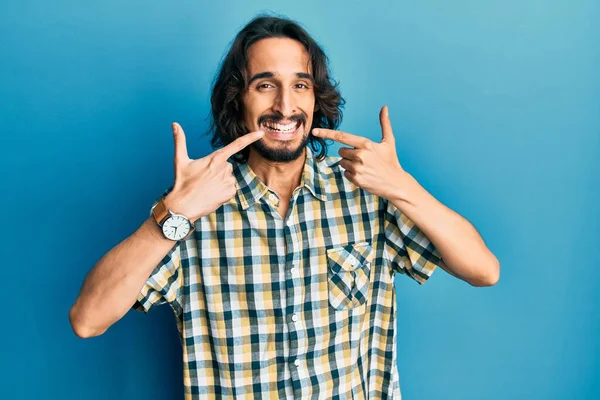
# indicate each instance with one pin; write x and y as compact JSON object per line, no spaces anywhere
{"x":296,"y":308}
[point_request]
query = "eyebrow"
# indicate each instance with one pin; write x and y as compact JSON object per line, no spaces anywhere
{"x":262,"y":75}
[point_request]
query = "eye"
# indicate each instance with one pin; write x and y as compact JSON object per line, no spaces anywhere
{"x":264,"y":86}
{"x":301,"y":86}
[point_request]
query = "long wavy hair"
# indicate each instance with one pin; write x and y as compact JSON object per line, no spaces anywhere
{"x":227,"y":112}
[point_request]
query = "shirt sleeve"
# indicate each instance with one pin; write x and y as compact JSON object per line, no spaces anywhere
{"x":409,"y":251}
{"x":165,"y":283}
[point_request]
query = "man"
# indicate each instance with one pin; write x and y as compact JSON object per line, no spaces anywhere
{"x":279,"y":264}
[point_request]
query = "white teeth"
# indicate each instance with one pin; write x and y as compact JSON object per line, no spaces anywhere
{"x":280,"y":127}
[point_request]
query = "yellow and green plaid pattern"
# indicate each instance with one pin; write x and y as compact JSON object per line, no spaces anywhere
{"x":301,"y":307}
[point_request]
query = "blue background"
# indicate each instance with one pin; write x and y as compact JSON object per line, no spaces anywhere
{"x":496,"y":111}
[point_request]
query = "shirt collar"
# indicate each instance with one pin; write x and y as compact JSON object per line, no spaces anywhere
{"x":251,"y":189}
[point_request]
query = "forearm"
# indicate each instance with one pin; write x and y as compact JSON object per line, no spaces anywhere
{"x":112,"y":286}
{"x":463,"y":250}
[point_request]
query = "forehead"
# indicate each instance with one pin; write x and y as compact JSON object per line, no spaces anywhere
{"x":282,"y":56}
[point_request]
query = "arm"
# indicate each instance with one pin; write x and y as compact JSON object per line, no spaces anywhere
{"x":112,"y":286}
{"x":460,"y":245}
{"x":375,"y":168}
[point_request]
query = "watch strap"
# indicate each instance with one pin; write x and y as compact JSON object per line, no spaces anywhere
{"x":160,"y":212}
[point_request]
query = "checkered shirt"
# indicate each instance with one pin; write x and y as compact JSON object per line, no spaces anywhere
{"x":301,"y":307}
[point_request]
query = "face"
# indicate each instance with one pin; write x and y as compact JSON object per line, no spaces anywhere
{"x":280,"y":98}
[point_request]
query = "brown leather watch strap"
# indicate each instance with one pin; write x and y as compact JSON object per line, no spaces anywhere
{"x":160,"y":212}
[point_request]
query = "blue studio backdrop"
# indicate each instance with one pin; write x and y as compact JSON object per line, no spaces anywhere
{"x":496,"y":111}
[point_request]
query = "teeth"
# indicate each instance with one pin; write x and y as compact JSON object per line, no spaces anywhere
{"x":281,"y":127}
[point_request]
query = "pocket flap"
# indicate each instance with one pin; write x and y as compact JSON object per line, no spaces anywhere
{"x":349,"y":256}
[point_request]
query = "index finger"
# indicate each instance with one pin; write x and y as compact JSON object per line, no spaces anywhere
{"x":342,"y":137}
{"x":240,"y":143}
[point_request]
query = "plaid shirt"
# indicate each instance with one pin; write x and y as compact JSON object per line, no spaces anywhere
{"x":296,"y":308}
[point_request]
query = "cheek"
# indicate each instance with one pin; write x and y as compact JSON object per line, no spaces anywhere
{"x":307,"y":105}
{"x":252,"y":107}
{"x":257,"y":104}
{"x":309,"y":109}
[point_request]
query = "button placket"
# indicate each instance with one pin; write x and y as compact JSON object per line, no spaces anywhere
{"x":273,"y":199}
{"x":294,"y":296}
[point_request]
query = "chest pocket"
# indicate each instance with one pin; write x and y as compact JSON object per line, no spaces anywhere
{"x":348,"y":273}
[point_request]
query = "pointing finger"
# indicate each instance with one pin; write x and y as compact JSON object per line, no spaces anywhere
{"x":342,"y":137}
{"x":240,"y":143}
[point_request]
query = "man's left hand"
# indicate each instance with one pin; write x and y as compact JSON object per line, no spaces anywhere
{"x":370,"y":165}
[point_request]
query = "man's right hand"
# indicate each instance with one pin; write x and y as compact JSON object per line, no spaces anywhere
{"x":203,"y":185}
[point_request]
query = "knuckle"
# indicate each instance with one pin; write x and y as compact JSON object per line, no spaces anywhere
{"x":218,"y":155}
{"x":216,"y":158}
{"x":231,"y":191}
{"x":212,"y":166}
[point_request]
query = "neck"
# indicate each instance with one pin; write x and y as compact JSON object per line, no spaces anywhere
{"x":282,"y":177}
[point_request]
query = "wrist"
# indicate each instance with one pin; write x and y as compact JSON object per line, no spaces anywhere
{"x":154,"y":230}
{"x":403,"y":185}
{"x":173,"y":202}
{"x":175,"y":225}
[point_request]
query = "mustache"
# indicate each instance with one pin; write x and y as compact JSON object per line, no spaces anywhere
{"x":277,"y":117}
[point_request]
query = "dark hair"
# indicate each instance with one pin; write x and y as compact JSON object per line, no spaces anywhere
{"x":227,"y":122}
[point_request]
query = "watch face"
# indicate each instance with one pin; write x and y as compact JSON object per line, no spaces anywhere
{"x":176,"y":227}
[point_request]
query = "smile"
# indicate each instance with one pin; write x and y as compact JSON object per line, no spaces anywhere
{"x":281,"y":131}
{"x":285,"y":128}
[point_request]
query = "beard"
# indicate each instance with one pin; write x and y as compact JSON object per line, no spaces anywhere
{"x":284,"y":153}
{"x":280,"y":154}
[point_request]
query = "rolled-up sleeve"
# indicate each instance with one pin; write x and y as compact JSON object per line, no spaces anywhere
{"x":407,"y":248}
{"x":164,"y":285}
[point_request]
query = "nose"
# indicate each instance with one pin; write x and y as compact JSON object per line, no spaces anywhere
{"x":285,"y":102}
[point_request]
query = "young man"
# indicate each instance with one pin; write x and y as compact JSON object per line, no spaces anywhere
{"x":278,"y":261}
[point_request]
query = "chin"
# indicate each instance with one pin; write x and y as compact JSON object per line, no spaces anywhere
{"x":280,"y":152}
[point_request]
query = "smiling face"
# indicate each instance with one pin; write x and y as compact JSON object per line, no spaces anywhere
{"x":280,"y":98}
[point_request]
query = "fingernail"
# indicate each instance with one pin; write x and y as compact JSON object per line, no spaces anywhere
{"x":315,"y":132}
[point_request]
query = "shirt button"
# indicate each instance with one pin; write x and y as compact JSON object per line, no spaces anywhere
{"x":297,"y":362}
{"x":293,"y":270}
{"x":295,"y":318}
{"x":272,"y":197}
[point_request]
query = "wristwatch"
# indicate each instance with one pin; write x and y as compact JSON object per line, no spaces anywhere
{"x":174,"y":226}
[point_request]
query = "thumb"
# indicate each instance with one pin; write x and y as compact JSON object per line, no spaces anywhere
{"x":386,"y":126}
{"x":181,"y":153}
